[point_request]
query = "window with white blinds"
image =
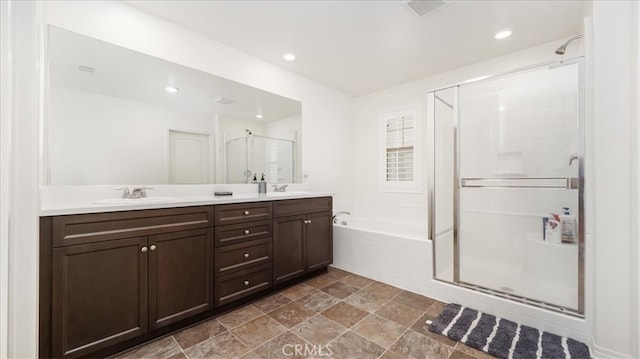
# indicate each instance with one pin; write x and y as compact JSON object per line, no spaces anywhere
{"x":398,"y":134}
{"x":399,"y":147}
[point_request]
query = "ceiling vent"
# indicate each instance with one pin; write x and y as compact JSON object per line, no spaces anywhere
{"x":424,"y":7}
{"x":224,"y":101}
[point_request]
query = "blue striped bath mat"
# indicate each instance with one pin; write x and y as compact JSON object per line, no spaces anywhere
{"x":503,"y":338}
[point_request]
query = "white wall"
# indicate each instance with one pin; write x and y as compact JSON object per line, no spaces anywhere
{"x":326,"y":113}
{"x":21,"y":60}
{"x":615,"y":282}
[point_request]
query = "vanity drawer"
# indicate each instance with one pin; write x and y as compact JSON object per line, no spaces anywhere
{"x":242,"y":212}
{"x":243,"y":283}
{"x":98,"y":227}
{"x":292,"y":207}
{"x":243,"y":232}
{"x":240,"y":256}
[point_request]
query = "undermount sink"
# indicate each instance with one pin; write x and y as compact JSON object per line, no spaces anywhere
{"x":134,"y":200}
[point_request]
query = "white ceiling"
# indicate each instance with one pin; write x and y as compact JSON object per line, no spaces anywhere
{"x":360,"y":47}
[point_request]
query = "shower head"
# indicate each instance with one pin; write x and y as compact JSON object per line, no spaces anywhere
{"x":248,"y":132}
{"x":563,"y":48}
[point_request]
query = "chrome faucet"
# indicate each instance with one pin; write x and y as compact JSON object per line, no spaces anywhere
{"x":335,"y":216}
{"x":277,"y":188}
{"x":573,"y":158}
{"x":137,"y":192}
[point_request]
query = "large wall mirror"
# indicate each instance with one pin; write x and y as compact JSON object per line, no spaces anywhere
{"x":116,"y":116}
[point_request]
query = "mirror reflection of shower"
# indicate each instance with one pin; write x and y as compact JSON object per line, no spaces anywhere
{"x":251,"y":155}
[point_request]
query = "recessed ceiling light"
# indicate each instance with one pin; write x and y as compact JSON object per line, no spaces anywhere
{"x":503,"y":34}
{"x":289,"y":56}
{"x":171,"y":89}
{"x":259,"y":116}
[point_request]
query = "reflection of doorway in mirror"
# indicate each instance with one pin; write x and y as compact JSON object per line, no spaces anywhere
{"x":189,"y":155}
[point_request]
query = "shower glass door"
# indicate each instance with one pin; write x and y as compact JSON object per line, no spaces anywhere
{"x":516,"y":143}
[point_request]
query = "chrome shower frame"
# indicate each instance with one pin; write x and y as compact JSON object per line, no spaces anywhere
{"x":431,"y":125}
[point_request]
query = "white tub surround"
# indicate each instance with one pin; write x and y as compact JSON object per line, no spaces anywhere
{"x":62,"y":200}
{"x":390,"y":252}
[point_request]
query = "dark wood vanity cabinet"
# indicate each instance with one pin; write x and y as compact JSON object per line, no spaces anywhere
{"x":116,"y":276}
{"x":109,"y":281}
{"x":243,"y":250}
{"x":302,"y":237}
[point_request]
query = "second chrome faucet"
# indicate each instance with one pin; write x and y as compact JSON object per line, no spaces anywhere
{"x":136,"y":192}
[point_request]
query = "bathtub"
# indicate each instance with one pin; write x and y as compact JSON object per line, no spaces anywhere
{"x":391,"y":252}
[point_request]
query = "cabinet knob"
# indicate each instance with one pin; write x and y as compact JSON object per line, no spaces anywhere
{"x":143,"y":249}
{"x":153,"y":247}
{"x":308,"y":221}
{"x":246,"y":255}
{"x":246,"y":231}
{"x":246,"y":282}
{"x":246,"y":213}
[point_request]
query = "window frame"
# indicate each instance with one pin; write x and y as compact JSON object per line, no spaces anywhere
{"x":414,"y":186}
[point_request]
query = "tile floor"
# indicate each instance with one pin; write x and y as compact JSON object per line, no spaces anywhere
{"x":335,"y":315}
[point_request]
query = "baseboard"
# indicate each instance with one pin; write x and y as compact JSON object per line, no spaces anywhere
{"x":602,"y":353}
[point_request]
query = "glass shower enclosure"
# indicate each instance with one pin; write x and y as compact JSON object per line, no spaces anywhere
{"x":255,"y":154}
{"x":506,"y":186}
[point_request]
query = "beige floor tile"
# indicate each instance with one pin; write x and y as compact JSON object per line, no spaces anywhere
{"x":318,"y":330}
{"x":379,"y":330}
{"x":291,"y":314}
{"x":285,"y":345}
{"x":297,"y":291}
{"x":339,"y":290}
{"x":399,"y":313}
{"x":222,"y":346}
{"x":161,"y":349}
{"x":352,"y":346}
{"x":357,"y":281}
{"x":271,"y":302}
{"x":318,"y":301}
{"x":320,"y":281}
{"x":413,"y":300}
{"x":381,"y":290}
{"x":345,"y":314}
{"x":415,"y":345}
{"x":258,"y":331}
{"x":239,"y":316}
{"x":367,"y":301}
{"x":199,"y":333}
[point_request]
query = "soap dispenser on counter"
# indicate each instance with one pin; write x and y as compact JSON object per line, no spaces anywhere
{"x":262,"y":185}
{"x":568,"y":225}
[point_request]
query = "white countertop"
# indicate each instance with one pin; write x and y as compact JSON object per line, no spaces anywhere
{"x":82,"y":204}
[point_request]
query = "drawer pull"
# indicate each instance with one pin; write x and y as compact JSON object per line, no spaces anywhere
{"x":307,"y":221}
{"x":143,"y":249}
{"x":246,"y":231}
{"x":246,"y":213}
{"x":153,"y":247}
{"x":246,"y":255}
{"x":246,"y":282}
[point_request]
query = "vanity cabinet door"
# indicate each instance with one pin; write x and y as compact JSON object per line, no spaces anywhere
{"x":99,"y":295}
{"x":180,"y":276}
{"x":289,"y":252}
{"x":319,"y":240}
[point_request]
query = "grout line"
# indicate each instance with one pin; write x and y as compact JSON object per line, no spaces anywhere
{"x":180,"y":346}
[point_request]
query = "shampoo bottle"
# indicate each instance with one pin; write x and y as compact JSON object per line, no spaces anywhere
{"x":262,"y":185}
{"x":568,"y":223}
